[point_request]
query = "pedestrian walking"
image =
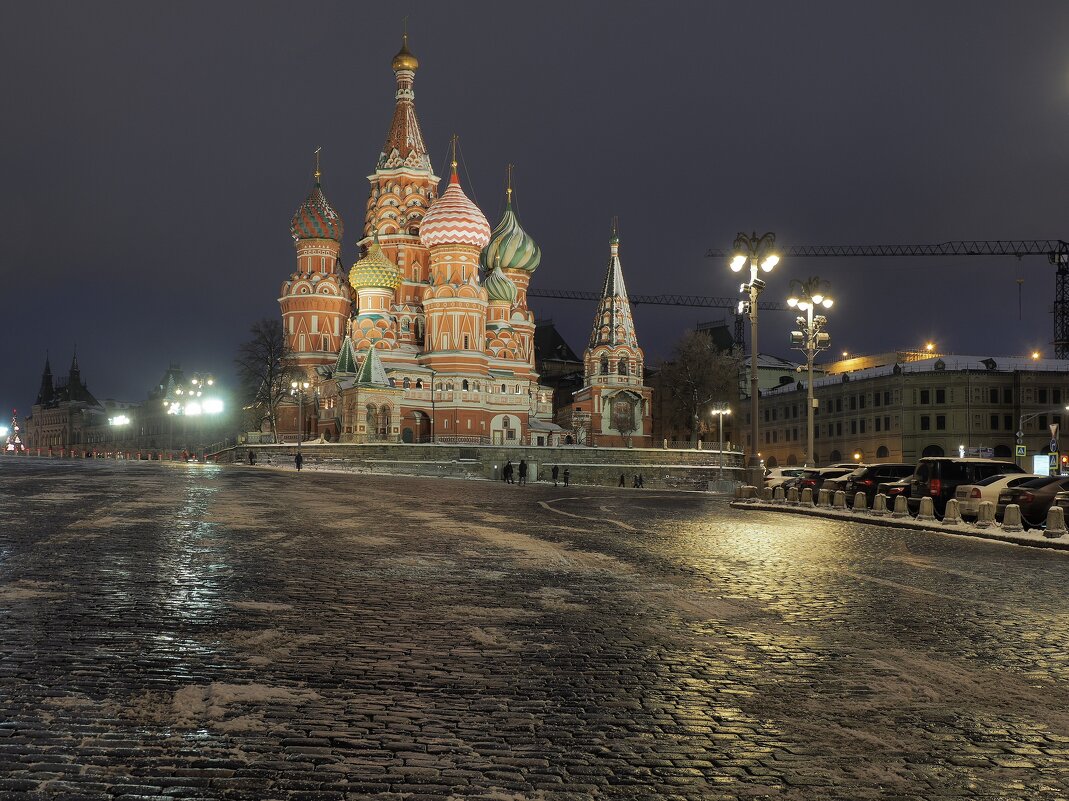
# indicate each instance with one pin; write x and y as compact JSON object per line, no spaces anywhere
{"x":567,"y":475}
{"x":641,"y":483}
{"x":623,"y":482}
{"x":508,"y":472}
{"x":634,"y":482}
{"x":556,"y":472}
{"x":523,"y":471}
{"x":298,"y":460}
{"x":252,"y":458}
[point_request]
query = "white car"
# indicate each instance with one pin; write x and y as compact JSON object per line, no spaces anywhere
{"x":970,"y":496}
{"x":777,"y":475}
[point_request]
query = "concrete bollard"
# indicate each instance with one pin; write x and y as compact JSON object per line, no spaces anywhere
{"x":748,"y":493}
{"x":792,"y":495}
{"x":861,"y":502}
{"x":1011,"y":518}
{"x":952,"y":515}
{"x":766,"y":493}
{"x":778,"y":496}
{"x":985,"y":515}
{"x":838,"y":500}
{"x":823,"y":498}
{"x":807,"y":497}
{"x":1055,"y":523}
{"x":901,"y":507}
{"x":926,"y":512}
{"x":879,"y":504}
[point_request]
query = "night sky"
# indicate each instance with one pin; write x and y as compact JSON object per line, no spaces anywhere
{"x":153,"y":154}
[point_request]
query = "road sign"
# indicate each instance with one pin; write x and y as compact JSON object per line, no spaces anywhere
{"x":1019,"y":435}
{"x":1053,"y":430}
{"x":1053,"y":445}
{"x":1022,"y":450}
{"x":1055,"y":463}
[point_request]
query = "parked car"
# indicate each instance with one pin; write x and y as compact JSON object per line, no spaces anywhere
{"x":867,"y":479}
{"x":938,"y":477}
{"x":775,"y":476}
{"x":839,"y":483}
{"x":815,"y":478}
{"x":1035,"y":498}
{"x":970,"y":496}
{"x":892,"y":489}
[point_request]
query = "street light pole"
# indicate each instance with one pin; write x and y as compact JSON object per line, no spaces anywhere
{"x":811,"y":340}
{"x":757,"y":252}
{"x":720,"y":412}
{"x":433,"y":439}
{"x":297,"y":389}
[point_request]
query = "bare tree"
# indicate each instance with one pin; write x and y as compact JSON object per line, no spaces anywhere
{"x":697,"y":375}
{"x":623,"y":416}
{"x":265,"y":369}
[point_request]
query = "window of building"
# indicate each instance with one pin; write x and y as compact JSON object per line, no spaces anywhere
{"x":875,"y":398}
{"x":993,"y":394}
{"x":853,"y":426}
{"x":604,"y":366}
{"x":467,"y":342}
{"x":768,"y":415}
{"x":1041,"y":395}
{"x":773,"y":437}
{"x":940,"y":396}
{"x":419,"y":383}
{"x":1007,"y":395}
{"x":838,"y":404}
{"x":861,"y":426}
{"x":503,"y":389}
{"x":877,"y":421}
{"x":994,"y":422}
{"x":940,"y":422}
{"x":406,"y":383}
{"x":853,"y":402}
{"x":464,"y":385}
{"x":926,"y":396}
{"x":1041,"y":423}
{"x":861,"y":401}
{"x":838,"y":429}
{"x":621,"y":367}
{"x":926,"y":422}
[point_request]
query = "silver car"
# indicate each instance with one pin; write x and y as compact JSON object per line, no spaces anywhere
{"x":970,"y":496}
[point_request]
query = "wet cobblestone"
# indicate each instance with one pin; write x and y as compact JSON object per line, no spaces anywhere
{"x":194,"y":632}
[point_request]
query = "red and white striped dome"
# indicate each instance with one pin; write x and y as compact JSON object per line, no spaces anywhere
{"x":454,"y":220}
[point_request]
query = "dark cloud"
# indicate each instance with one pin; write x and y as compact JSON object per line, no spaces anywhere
{"x":154,"y":153}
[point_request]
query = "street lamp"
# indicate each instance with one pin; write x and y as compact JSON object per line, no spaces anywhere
{"x":810,"y":339}
{"x":720,"y":412}
{"x":433,"y":374}
{"x":757,"y":251}
{"x":297,"y":390}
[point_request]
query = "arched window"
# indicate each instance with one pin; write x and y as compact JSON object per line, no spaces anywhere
{"x":406,"y":383}
{"x":883,"y":453}
{"x":604,"y":365}
{"x":932,"y":450}
{"x":503,"y":390}
{"x":419,"y":383}
{"x":372,"y":419}
{"x":772,"y":462}
{"x":384,"y":422}
{"x":464,"y":385}
{"x":621,"y":367}
{"x":835,"y":457}
{"x":792,"y":460}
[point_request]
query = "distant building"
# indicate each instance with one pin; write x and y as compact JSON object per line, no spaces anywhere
{"x":558,"y":366}
{"x":64,"y":410}
{"x":923,"y":407}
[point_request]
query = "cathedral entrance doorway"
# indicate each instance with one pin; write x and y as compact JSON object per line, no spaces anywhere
{"x":421,"y":423}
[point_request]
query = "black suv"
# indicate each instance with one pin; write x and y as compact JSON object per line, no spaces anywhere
{"x":867,"y":479}
{"x":938,"y":477}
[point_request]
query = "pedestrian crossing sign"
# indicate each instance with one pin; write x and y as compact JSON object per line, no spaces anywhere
{"x":1022,"y":450}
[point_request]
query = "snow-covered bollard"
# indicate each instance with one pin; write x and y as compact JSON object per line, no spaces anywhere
{"x":1055,"y":523}
{"x":952,"y":515}
{"x":792,"y":495}
{"x":901,"y":507}
{"x":778,"y":496}
{"x":1011,"y":518}
{"x":838,"y":500}
{"x":926,"y":512}
{"x":766,"y":493}
{"x":985,"y":515}
{"x":747,"y":493}
{"x":861,"y":502}
{"x":822,"y":498}
{"x":807,"y":497}
{"x":879,"y":504}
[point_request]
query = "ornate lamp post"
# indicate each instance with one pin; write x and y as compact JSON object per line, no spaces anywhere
{"x":297,"y":390}
{"x":810,"y":339}
{"x":720,"y":412}
{"x":757,"y":251}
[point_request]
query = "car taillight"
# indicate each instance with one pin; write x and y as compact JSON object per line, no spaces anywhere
{"x":868,"y":482}
{"x":975,"y":492}
{"x":935,"y":487}
{"x":1026,"y":497}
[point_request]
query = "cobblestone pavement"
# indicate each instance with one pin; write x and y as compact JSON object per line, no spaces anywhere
{"x":185,"y":631}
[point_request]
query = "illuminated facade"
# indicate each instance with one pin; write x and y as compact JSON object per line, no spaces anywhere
{"x":430,"y":337}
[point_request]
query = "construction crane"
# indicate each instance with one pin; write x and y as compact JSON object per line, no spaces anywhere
{"x":1056,"y":251}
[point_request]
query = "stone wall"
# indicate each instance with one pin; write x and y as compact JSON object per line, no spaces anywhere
{"x":687,"y":469}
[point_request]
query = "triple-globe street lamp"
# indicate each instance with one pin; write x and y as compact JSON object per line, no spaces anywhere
{"x":298,"y":390}
{"x":757,"y":251}
{"x":719,"y":412}
{"x":810,"y":338}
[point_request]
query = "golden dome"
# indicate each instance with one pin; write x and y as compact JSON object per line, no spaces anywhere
{"x":375,"y":271}
{"x":404,"y":60}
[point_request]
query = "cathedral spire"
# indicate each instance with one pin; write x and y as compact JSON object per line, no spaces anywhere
{"x":45,"y":394}
{"x":404,"y":142}
{"x":613,"y":324}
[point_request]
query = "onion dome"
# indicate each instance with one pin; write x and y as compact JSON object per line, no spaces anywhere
{"x":375,"y":270}
{"x":499,"y":287}
{"x":510,"y":247}
{"x":404,"y":60}
{"x":315,"y":219}
{"x":454,"y":220}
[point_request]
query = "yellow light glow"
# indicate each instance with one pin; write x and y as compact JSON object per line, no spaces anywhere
{"x":738,"y":263}
{"x":929,"y":346}
{"x":1035,"y":354}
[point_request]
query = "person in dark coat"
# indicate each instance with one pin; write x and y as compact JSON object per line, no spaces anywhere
{"x":623,"y":481}
{"x":567,"y":475}
{"x":508,"y":472}
{"x":298,"y":460}
{"x":556,"y":472}
{"x":252,"y":458}
{"x":523,"y":471}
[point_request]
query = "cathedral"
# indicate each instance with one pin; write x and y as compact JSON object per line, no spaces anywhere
{"x":429,"y":337}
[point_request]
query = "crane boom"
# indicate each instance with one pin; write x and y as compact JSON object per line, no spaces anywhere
{"x":658,"y":300}
{"x":1055,"y":249}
